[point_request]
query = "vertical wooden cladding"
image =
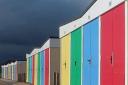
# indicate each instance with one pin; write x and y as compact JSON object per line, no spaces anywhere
{"x":91,"y":53}
{"x":9,"y":71}
{"x":33,"y":69}
{"x":119,"y":44}
{"x":15,"y":72}
{"x":12,"y":72}
{"x":5,"y":73}
{"x":42,"y":68}
{"x":2,"y":71}
{"x":106,"y":50}
{"x":76,"y":49}
{"x":36,"y":69}
{"x":65,"y":60}
{"x":54,"y":66}
{"x":27,"y":69}
{"x":113,"y":46}
{"x":21,"y":70}
{"x":46,"y":53}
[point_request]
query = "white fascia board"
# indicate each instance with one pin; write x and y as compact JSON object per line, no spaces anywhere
{"x":15,"y":63}
{"x":51,"y":42}
{"x":12,"y":64}
{"x":35,"y":51}
{"x":66,"y":29}
{"x":28,"y":55}
{"x":97,"y":9}
{"x":45,"y":46}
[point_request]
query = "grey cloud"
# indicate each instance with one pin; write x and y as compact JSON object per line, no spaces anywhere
{"x":25,"y":24}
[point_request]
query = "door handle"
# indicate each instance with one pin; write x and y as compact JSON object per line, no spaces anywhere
{"x":89,"y":61}
{"x":65,"y":65}
{"x":75,"y":63}
{"x":112,"y":56}
{"x":111,"y":60}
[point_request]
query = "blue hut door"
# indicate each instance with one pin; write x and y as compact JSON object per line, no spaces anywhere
{"x":91,"y":53}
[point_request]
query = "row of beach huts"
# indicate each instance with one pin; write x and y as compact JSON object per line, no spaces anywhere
{"x":92,"y":50}
{"x":15,"y":71}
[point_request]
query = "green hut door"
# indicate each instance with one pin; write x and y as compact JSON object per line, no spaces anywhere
{"x":76,"y":38}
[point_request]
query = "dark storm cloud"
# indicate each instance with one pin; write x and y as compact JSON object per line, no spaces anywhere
{"x":16,"y":52}
{"x":25,"y":24}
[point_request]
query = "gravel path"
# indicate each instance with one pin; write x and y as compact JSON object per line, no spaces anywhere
{"x":21,"y":84}
{"x":8,"y":82}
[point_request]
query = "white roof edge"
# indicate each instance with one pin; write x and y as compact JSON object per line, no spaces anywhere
{"x":9,"y":64}
{"x":27,"y":55}
{"x":51,"y":42}
{"x":15,"y":62}
{"x":35,"y":51}
{"x":12,"y":63}
{"x":97,"y":9}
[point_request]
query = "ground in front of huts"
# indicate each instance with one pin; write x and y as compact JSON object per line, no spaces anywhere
{"x":10,"y":82}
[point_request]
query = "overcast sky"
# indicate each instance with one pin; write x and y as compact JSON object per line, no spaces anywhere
{"x":26,"y":24}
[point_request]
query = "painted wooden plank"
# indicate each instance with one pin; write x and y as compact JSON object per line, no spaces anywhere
{"x":113,"y":54}
{"x":42,"y":68}
{"x":38,"y":69}
{"x":65,"y":60}
{"x":76,"y":40}
{"x":119,"y":45}
{"x":47,"y":55}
